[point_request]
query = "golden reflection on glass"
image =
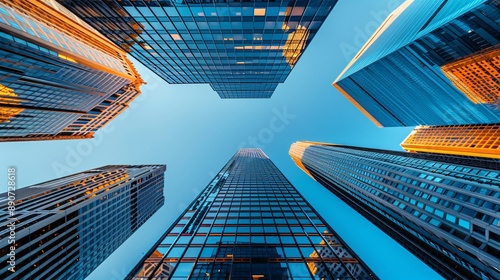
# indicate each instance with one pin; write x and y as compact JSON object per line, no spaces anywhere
{"x":295,"y":44}
{"x":477,"y":76}
{"x":8,"y":97}
{"x":163,"y":272}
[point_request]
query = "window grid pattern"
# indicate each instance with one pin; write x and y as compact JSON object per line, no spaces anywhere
{"x":68,"y":226}
{"x":217,"y":42}
{"x":408,"y":27}
{"x":251,"y":223}
{"x":379,"y":79}
{"x":466,"y":140}
{"x":477,"y":76}
{"x":53,"y":35}
{"x":67,"y":79}
{"x":434,"y":198}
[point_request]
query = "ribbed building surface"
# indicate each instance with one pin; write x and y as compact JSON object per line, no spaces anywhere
{"x":442,"y":208}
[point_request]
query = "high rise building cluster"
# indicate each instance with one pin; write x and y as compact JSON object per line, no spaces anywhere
{"x":65,"y":73}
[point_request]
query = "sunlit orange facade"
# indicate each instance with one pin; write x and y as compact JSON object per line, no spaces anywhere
{"x":466,"y":140}
{"x":477,"y":76}
{"x":63,"y":79}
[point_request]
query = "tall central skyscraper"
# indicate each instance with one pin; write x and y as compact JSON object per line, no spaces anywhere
{"x":250,"y":223}
{"x":66,"y":227}
{"x":442,"y":208}
{"x":243,"y":49}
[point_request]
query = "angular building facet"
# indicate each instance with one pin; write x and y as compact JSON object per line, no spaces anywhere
{"x":442,"y":208}
{"x":409,"y":71}
{"x":250,"y":223}
{"x":59,"y":77}
{"x":480,"y":140}
{"x":243,"y":49}
{"x":66,"y":227}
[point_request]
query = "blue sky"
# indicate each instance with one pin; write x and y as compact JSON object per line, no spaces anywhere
{"x":194,"y":132}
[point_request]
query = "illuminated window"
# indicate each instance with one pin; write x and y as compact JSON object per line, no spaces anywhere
{"x":175,"y":36}
{"x":259,"y":12}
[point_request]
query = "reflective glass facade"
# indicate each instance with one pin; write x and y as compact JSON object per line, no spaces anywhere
{"x":54,"y":70}
{"x":250,"y":223}
{"x":243,"y":49}
{"x":66,"y":227}
{"x":444,"y":209}
{"x":406,"y":86}
{"x":481,"y":140}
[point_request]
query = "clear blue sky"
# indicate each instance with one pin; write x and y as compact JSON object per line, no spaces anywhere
{"x":194,"y":132}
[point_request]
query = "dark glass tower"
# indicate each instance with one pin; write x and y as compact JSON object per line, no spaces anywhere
{"x":66,"y":227}
{"x":250,"y":223}
{"x":411,"y":73}
{"x":442,"y":208}
{"x":243,"y":49}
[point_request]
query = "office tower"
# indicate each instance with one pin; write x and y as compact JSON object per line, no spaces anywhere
{"x":243,"y":49}
{"x":250,"y":223}
{"x":59,"y":78}
{"x":401,"y":77}
{"x":477,"y":75}
{"x":482,"y":140}
{"x":66,"y":227}
{"x":442,"y":208}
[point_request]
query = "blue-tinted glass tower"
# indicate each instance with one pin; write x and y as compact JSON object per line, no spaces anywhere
{"x":66,"y":227}
{"x":397,"y":80}
{"x":250,"y":223}
{"x":243,"y":49}
{"x":442,"y":208}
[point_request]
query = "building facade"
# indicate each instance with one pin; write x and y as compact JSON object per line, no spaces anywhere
{"x":58,"y":76}
{"x":66,"y":227}
{"x":242,"y":49}
{"x":482,"y":140}
{"x":404,"y":75}
{"x":250,"y":223}
{"x":477,"y":75}
{"x":442,"y":208}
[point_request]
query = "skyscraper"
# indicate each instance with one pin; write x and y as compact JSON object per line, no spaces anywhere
{"x":243,"y":49}
{"x":250,"y":223}
{"x":59,"y":78}
{"x":66,"y":227}
{"x":477,"y":75}
{"x":442,"y":208}
{"x":401,"y":77}
{"x":481,"y":140}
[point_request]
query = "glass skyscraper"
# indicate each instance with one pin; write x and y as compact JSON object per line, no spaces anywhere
{"x":442,"y":208}
{"x":66,"y":227}
{"x":59,"y":77}
{"x":243,"y":49}
{"x":250,"y":223}
{"x":480,"y":140}
{"x":401,"y":77}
